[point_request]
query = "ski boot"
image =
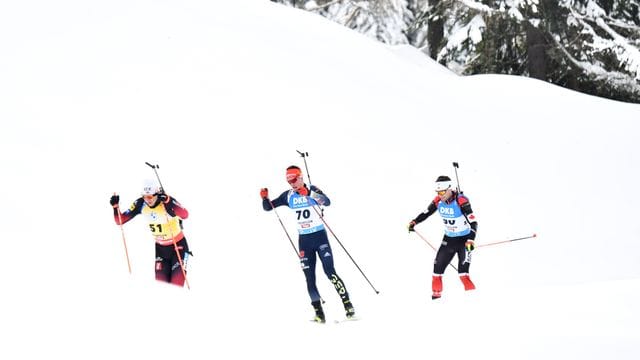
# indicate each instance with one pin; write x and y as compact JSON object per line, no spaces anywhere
{"x":350,"y":312}
{"x":466,"y":281}
{"x":436,"y":286}
{"x":319,"y":317}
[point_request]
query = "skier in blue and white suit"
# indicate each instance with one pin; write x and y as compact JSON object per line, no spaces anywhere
{"x":312,"y":239}
{"x":460,"y":227}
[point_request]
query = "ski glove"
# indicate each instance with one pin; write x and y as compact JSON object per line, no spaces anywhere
{"x":264,"y":193}
{"x":164,"y":197}
{"x":470,"y":245}
{"x":115,"y":200}
{"x":411,"y":225}
{"x":317,"y":196}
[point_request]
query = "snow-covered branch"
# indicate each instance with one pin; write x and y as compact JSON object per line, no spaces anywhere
{"x":627,"y":54}
{"x":630,"y":57}
{"x":598,"y":73}
{"x":324,"y":6}
{"x":471,"y":4}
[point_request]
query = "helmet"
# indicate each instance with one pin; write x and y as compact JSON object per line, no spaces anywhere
{"x":443,"y":183}
{"x":150,"y":187}
{"x":293,"y":172}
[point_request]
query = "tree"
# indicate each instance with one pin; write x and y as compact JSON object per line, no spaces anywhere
{"x":385,"y":20}
{"x":591,"y":46}
{"x":586,"y":45}
{"x":600,"y":45}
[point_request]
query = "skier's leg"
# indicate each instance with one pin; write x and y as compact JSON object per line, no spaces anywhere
{"x":162,"y":270}
{"x":177,"y":276}
{"x":163,"y":264}
{"x":308,"y":264}
{"x":307,"y":255}
{"x":464,"y":263}
{"x":326,"y":257}
{"x":443,"y":258}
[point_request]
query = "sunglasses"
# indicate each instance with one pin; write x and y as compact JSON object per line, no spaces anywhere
{"x":294,"y":180}
{"x":441,"y":192}
{"x":148,"y":197}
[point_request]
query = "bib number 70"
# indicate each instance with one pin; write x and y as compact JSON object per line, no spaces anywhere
{"x":303,"y":213}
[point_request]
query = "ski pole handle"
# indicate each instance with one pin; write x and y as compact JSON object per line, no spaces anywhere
{"x":154,"y":167}
{"x":455,"y":168}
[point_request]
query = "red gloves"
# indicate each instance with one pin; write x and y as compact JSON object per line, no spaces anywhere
{"x":264,"y":193}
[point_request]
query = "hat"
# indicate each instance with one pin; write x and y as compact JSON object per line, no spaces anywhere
{"x":443,"y":183}
{"x":150,"y":187}
{"x":293,"y":172}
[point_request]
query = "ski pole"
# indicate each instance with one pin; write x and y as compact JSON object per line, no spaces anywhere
{"x":506,"y":241}
{"x":320,"y":213}
{"x":175,"y":247}
{"x":173,"y":240}
{"x":433,"y":247}
{"x":288,"y":237}
{"x":304,"y":158}
{"x":455,"y":168}
{"x":305,"y":155}
{"x":154,"y":167}
{"x":345,"y":250}
{"x":124,"y":241}
{"x":285,"y":230}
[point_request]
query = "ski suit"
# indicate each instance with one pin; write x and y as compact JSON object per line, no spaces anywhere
{"x":312,"y":237}
{"x":460,"y":225}
{"x":165,"y":223}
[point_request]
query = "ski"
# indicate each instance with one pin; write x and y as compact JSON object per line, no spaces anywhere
{"x":336,"y":321}
{"x":339,"y":321}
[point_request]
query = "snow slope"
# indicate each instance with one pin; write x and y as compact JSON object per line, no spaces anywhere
{"x":221,"y":95}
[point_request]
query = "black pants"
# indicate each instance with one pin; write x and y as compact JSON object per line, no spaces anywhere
{"x":449,"y":247}
{"x":168,"y":267}
{"x":311,"y":247}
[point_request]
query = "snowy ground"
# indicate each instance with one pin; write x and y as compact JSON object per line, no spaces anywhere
{"x":221,"y":95}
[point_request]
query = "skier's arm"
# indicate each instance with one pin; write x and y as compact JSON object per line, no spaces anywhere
{"x":128,"y":214}
{"x":281,"y":200}
{"x":174,"y":208}
{"x":319,"y":196}
{"x":465,"y":207}
{"x":425,"y":214}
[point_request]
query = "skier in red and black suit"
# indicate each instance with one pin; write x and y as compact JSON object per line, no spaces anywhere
{"x":164,"y":214}
{"x":460,"y":228}
{"x":312,"y":236}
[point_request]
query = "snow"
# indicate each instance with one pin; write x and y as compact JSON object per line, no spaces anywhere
{"x":477,"y":5}
{"x":221,"y":95}
{"x":412,"y":55}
